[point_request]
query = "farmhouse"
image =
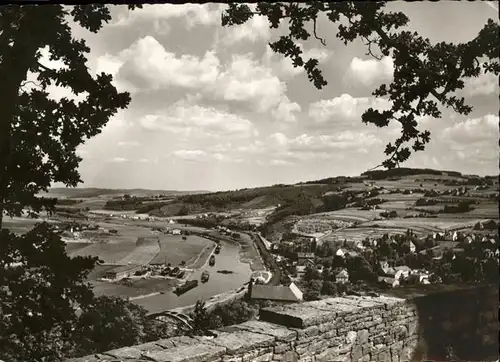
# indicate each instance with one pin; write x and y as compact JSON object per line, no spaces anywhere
{"x":277,"y":293}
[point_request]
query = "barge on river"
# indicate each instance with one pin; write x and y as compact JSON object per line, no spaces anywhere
{"x":205,"y":276}
{"x":211,"y":261}
{"x":181,"y":289}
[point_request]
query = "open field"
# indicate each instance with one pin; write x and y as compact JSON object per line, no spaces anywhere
{"x":398,"y":206}
{"x":174,"y":250}
{"x":399,"y":197}
{"x":145,"y":251}
{"x":348,"y":215}
{"x":109,"y":253}
{"x":360,"y":234}
{"x":424,"y":225}
{"x":20,"y":225}
{"x":74,"y":247}
{"x":126,"y":233}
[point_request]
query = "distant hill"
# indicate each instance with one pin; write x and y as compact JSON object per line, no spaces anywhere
{"x":84,"y":192}
{"x":404,"y":171}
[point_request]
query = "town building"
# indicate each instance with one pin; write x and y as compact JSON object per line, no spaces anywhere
{"x":302,"y":257}
{"x":277,"y":293}
{"x":121,"y":272}
{"x":342,"y":276}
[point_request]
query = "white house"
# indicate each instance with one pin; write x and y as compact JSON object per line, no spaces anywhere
{"x":176,"y":231}
{"x":404,"y":270}
{"x":342,"y":276}
{"x":340,"y":253}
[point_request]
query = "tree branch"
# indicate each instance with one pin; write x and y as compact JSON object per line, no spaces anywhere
{"x":45,"y":68}
{"x":315,"y":35}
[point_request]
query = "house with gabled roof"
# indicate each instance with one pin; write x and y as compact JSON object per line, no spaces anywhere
{"x":342,"y":276}
{"x":277,"y":293}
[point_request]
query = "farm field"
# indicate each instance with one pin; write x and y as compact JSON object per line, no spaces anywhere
{"x":144,"y":252}
{"x":73,"y":247}
{"x":20,"y":225}
{"x":421,"y":224}
{"x":399,"y":206}
{"x":399,"y":197}
{"x":174,"y":250}
{"x":360,"y":234}
{"x":126,"y":233}
{"x":109,"y":253}
{"x":348,"y":214}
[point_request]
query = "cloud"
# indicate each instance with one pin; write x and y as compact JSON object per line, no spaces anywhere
{"x":119,"y":159}
{"x":202,"y":156}
{"x":147,"y":65}
{"x":283,"y":66}
{"x":343,"y":110}
{"x":485,"y":84}
{"x":246,"y":80}
{"x":285,"y":112}
{"x":477,"y":132}
{"x":325,"y":143}
{"x":309,"y":147}
{"x":370,"y":72}
{"x":255,"y":30}
{"x":193,"y":14}
{"x":128,"y":144}
{"x":193,"y":120}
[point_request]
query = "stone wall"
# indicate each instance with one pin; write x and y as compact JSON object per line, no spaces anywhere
{"x":338,"y":329}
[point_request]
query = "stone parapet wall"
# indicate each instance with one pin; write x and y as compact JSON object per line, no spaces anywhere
{"x":337,"y":329}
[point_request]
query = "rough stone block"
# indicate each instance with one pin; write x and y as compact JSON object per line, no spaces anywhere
{"x":280,"y":348}
{"x":306,"y":333}
{"x":252,"y":355}
{"x":200,"y":352}
{"x":177,"y":341}
{"x":242,"y":341}
{"x":126,"y":353}
{"x":390,"y":302}
{"x":280,"y":333}
{"x":298,"y":316}
{"x":150,"y":346}
{"x":266,"y":357}
{"x":91,"y":358}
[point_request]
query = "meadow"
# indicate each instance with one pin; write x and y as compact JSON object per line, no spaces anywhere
{"x":174,"y":250}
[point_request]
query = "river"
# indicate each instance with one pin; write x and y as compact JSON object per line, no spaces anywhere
{"x":218,"y":283}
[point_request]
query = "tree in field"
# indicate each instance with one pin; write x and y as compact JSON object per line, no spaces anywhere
{"x":426,"y":75}
{"x":38,"y":135}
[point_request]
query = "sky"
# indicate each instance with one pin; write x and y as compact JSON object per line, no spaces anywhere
{"x":214,"y":108}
